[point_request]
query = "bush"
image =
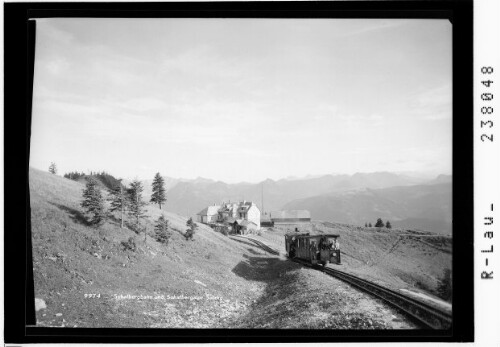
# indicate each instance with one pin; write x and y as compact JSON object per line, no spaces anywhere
{"x":129,"y":244}
{"x":224,"y":230}
{"x":192,"y":226}
{"x":162,"y":231}
{"x":380,"y":223}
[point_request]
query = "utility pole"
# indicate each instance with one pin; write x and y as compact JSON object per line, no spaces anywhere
{"x":262,"y":194}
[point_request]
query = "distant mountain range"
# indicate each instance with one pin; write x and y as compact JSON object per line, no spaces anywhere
{"x":190,"y":197}
{"x":426,"y":207}
{"x":405,"y":200}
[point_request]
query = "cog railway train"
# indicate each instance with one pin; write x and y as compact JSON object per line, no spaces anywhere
{"x":316,"y":249}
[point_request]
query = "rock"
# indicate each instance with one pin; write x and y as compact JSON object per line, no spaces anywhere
{"x":39,"y":304}
{"x":58,"y":314}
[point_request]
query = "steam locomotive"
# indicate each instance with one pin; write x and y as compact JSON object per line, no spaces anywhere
{"x":316,"y":249}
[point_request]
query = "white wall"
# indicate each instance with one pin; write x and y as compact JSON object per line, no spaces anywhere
{"x":253,"y":215}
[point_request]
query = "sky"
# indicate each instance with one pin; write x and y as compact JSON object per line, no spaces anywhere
{"x":242,"y":99}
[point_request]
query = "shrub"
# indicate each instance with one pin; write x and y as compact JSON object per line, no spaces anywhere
{"x":162,"y":232}
{"x":53,"y":168}
{"x":380,"y":223}
{"x":129,"y":244}
{"x":224,"y":230}
{"x":192,"y":226}
{"x":444,"y":288}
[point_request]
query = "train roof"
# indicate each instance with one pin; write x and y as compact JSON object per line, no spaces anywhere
{"x":317,"y":236}
{"x":297,"y":234}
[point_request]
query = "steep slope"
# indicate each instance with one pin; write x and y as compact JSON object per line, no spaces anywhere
{"x":426,"y":207}
{"x":72,"y":260}
{"x":84,"y":277}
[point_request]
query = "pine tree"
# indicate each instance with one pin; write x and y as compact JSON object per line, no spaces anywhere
{"x":369,"y":225}
{"x":53,"y":168}
{"x":119,"y":201}
{"x":388,"y":225}
{"x":380,"y":223}
{"x":366,"y":225}
{"x":136,"y":204}
{"x":192,"y":226}
{"x":158,"y":196}
{"x":93,"y":202}
{"x":162,"y":231}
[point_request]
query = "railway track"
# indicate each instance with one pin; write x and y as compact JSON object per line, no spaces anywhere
{"x":427,"y":315}
{"x":258,"y":243}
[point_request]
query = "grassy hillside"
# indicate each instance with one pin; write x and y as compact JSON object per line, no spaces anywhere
{"x":72,"y":259}
{"x":84,"y":277}
{"x":395,"y":258}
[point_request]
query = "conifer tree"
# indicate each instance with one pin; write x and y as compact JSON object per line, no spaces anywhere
{"x":136,"y":204}
{"x":53,"y":168}
{"x":158,"y":195}
{"x":93,"y":202}
{"x":366,"y":225}
{"x":162,"y":231}
{"x":369,"y":225}
{"x":380,"y":223}
{"x":192,"y":226}
{"x":388,"y":225}
{"x":119,"y":201}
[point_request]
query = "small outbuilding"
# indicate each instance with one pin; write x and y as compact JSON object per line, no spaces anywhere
{"x":290,"y":216}
{"x":208,"y":215}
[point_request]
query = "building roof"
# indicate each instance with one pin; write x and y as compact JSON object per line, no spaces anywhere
{"x":231,"y":220}
{"x":290,"y":214}
{"x":228,"y":206}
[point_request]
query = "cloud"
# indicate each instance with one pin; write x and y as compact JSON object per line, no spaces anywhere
{"x":374,"y":25}
{"x":203,"y":61}
{"x":47,"y":31}
{"x":434,"y":104}
{"x":144,"y":104}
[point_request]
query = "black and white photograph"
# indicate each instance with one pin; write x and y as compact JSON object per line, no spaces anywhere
{"x":242,"y":173}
